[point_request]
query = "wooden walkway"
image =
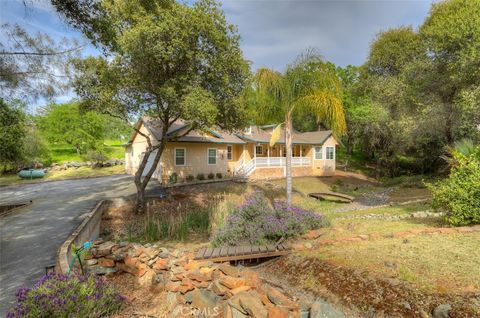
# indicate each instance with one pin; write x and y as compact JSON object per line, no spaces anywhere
{"x":237,"y":253}
{"x":330,"y":195}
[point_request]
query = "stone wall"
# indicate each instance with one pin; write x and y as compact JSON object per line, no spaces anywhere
{"x":195,"y":287}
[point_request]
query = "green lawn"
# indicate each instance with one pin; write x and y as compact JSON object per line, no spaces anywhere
{"x":81,"y":172}
{"x":63,"y":153}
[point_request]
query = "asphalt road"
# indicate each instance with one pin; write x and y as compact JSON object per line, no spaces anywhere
{"x":30,"y":236}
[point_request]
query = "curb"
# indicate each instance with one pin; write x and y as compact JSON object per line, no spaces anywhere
{"x":87,"y":231}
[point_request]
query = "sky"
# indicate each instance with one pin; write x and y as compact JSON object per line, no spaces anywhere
{"x":273,"y":32}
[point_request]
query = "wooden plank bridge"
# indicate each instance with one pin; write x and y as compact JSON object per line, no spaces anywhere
{"x":329,"y":195}
{"x":237,"y":253}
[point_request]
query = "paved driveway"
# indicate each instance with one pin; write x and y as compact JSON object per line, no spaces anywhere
{"x":30,"y":236}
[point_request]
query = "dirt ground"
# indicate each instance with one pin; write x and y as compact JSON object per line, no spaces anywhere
{"x":385,"y":277}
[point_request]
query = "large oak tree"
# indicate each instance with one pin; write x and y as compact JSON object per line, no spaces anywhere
{"x":163,"y":59}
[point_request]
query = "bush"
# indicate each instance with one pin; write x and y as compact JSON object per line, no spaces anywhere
{"x":459,"y":194}
{"x":256,"y":222}
{"x":219,"y":175}
{"x":98,"y":157}
{"x":200,"y":176}
{"x":67,"y":296}
{"x":190,"y":178}
{"x":173,"y":178}
{"x":211,"y":176}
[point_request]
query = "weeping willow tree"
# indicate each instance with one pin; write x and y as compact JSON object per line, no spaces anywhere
{"x":307,"y":85}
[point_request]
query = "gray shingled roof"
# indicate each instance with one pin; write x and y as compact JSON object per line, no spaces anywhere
{"x":260,"y":135}
{"x":154,"y":126}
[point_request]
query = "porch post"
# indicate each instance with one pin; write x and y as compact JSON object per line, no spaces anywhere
{"x":268,"y":155}
{"x":255,"y":151}
{"x":301,"y":162}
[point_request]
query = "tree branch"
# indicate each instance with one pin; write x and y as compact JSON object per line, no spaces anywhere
{"x":44,"y":53}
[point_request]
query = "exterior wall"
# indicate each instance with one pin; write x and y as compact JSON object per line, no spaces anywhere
{"x":133,"y":152}
{"x":324,"y":167}
{"x":196,"y":160}
{"x":236,"y":156}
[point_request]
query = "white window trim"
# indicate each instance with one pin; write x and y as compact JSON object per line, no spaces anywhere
{"x":326,"y":153}
{"x":261,"y":153}
{"x":208,"y":156}
{"x":231,"y":158}
{"x":184,"y":156}
{"x":315,"y":152}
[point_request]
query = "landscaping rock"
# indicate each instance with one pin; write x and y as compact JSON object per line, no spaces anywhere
{"x":276,"y":297}
{"x":202,"y":299}
{"x":104,"y":249}
{"x":106,"y":262}
{"x":229,"y":270}
{"x":252,"y":305}
{"x":101,"y":270}
{"x":322,"y":309}
{"x":442,"y":311}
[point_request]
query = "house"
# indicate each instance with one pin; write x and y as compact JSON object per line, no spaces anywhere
{"x":244,"y":154}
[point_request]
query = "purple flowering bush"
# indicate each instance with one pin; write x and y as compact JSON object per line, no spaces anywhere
{"x":57,"y":295}
{"x":257,"y":222}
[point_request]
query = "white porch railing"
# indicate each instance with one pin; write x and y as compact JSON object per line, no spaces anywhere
{"x":262,"y":162}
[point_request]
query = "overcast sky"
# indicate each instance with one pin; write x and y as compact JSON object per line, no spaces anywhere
{"x":273,"y":32}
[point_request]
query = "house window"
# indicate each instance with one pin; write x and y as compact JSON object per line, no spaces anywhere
{"x":212,"y":156}
{"x":229,"y":152}
{"x":318,"y":153}
{"x":259,"y":150}
{"x":330,"y":153}
{"x":180,"y":156}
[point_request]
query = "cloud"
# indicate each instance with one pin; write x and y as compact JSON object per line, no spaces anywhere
{"x":275,"y":32}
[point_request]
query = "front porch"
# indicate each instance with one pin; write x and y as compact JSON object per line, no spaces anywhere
{"x":263,"y":156}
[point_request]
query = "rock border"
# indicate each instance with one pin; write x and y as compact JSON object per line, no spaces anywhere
{"x":88,"y":230}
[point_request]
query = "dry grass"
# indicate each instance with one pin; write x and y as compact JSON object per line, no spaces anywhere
{"x":438,"y":262}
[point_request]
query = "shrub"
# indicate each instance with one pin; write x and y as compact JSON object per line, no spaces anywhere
{"x":256,"y":222}
{"x":57,"y":295}
{"x":190,"y":178}
{"x":211,"y":176}
{"x":459,"y":194}
{"x":200,"y":176}
{"x":173,"y":178}
{"x":219,"y":175}
{"x":98,"y":157}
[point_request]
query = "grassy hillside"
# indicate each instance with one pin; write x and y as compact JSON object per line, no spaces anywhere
{"x":64,"y":153}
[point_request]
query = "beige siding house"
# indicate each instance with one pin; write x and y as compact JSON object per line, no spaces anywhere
{"x":245,"y":154}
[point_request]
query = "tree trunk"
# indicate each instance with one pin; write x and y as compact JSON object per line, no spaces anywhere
{"x":140,"y":184}
{"x":288,"y":148}
{"x":77,"y":147}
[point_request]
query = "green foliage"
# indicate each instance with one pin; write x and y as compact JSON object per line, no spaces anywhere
{"x":96,"y":156}
{"x":423,"y":87}
{"x":178,"y":227}
{"x":211,"y":176}
{"x":173,"y":178}
{"x":57,"y":295}
{"x":308,"y":85}
{"x":190,"y":178}
{"x":256,"y":222}
{"x":219,"y":175}
{"x":200,"y":176}
{"x":459,"y":194}
{"x":66,"y":124}
{"x":12,"y":132}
